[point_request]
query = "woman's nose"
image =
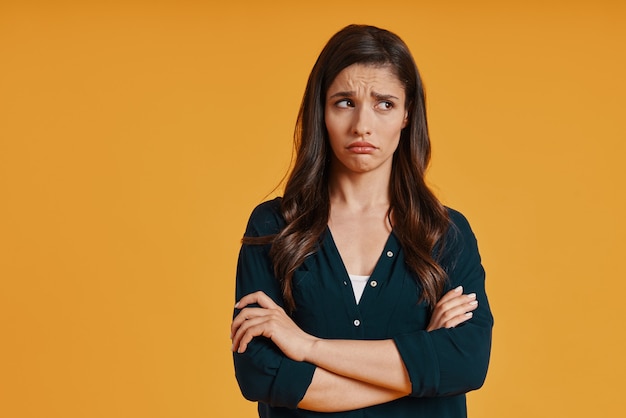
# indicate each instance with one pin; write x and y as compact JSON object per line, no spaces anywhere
{"x":362,"y":121}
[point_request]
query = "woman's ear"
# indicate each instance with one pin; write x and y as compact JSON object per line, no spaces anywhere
{"x":406,"y":119}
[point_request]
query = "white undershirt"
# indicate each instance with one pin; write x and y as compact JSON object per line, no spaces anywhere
{"x":358,"y":285}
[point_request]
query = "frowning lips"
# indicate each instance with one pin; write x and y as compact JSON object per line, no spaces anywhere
{"x":361,"y":147}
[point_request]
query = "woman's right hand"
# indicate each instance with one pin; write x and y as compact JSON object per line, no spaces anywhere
{"x":270,"y":321}
{"x":453,"y":309}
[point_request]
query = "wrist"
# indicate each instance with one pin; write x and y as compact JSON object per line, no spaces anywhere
{"x":313,"y":347}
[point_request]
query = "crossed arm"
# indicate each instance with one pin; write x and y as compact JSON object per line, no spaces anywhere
{"x":371,"y":370}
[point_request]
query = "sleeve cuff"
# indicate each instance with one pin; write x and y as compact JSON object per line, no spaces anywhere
{"x":422,"y":364}
{"x":291,"y":382}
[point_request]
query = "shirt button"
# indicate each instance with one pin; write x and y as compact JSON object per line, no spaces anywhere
{"x":356,"y":322}
{"x":345,"y":283}
{"x":389,"y":254}
{"x":373,"y":283}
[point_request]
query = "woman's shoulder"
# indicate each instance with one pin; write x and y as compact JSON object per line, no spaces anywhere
{"x":460,"y":234}
{"x":458,"y":220}
{"x":266,"y":219}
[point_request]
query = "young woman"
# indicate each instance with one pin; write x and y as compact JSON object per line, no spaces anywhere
{"x":358,"y":293}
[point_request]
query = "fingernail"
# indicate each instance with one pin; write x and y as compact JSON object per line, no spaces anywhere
{"x":459,"y":289}
{"x":474,"y":302}
{"x":472,"y":296}
{"x":236,"y":304}
{"x":469,"y":314}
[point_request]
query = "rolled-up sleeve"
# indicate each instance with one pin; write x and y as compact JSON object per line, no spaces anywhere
{"x":263,"y":372}
{"x":452,"y":361}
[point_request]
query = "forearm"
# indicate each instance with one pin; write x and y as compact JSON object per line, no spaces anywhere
{"x":375,"y":362}
{"x":330,"y":392}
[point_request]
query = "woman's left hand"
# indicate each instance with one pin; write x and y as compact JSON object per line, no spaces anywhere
{"x":271,"y":321}
{"x":453,"y":309}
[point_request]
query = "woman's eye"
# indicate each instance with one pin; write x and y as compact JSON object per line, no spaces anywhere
{"x":344,"y":103}
{"x":385,"y":105}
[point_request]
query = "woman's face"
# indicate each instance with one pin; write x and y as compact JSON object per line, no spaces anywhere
{"x":364,"y":114}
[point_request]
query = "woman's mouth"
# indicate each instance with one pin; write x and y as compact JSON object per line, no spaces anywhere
{"x":361,"y":147}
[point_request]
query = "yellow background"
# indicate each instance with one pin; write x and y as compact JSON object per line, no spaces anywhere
{"x":136,"y":137}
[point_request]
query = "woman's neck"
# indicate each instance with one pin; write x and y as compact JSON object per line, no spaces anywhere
{"x":359,"y":190}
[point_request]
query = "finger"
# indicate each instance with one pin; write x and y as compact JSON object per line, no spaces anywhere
{"x":259,"y":298}
{"x":262,"y":322}
{"x":462,"y":314}
{"x":251,"y":328}
{"x":244,"y":315}
{"x":458,"y":320}
{"x":443,"y":315}
{"x":451,"y":317}
{"x":454,"y":302}
{"x":457,"y":291}
{"x":453,"y":298}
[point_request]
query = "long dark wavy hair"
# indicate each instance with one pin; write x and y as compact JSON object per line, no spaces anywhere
{"x":419,"y":220}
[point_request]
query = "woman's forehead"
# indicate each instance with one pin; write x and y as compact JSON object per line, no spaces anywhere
{"x":366,"y":76}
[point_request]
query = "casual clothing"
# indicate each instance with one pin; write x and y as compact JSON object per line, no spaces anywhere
{"x":442,"y":365}
{"x":358,"y":285}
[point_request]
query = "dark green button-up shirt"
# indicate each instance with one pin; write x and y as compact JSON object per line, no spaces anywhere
{"x":443,"y":365}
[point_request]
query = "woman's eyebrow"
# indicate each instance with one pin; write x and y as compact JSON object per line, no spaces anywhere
{"x":375,"y":95}
{"x":380,"y":96}
{"x":342,"y":94}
